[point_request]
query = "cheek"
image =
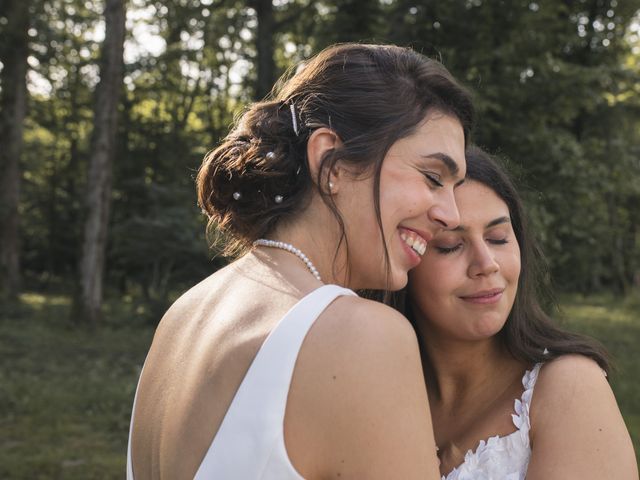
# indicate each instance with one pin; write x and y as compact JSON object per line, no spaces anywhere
{"x":430,"y":282}
{"x":512,"y":267}
{"x":404,"y":198}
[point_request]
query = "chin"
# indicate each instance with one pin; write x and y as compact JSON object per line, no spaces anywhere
{"x":490,"y":328}
{"x":397,"y":281}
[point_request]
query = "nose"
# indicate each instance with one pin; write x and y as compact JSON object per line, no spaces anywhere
{"x":444,"y":211}
{"x":483,"y":261}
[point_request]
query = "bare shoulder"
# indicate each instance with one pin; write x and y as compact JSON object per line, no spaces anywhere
{"x":369,"y":321}
{"x":365,"y":340}
{"x":568,"y":365}
{"x":359,"y":373}
{"x":199,"y":299}
{"x":563,"y":375}
{"x":564,"y":384}
{"x":567,"y":386}
{"x":577,"y":429}
{"x":360,"y":333}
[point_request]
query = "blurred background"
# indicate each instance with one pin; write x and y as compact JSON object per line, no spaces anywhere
{"x":108,"y":106}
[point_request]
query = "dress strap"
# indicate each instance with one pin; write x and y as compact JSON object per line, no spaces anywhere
{"x":523,"y":405}
{"x":255,"y":418}
{"x":133,"y":409}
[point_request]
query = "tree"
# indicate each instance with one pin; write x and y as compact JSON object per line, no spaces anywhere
{"x":13,"y":109}
{"x":100,"y":162}
{"x":555,"y":85}
{"x":264,"y":46}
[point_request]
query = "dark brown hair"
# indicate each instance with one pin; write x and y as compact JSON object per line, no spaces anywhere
{"x":369,"y":95}
{"x":529,"y":330}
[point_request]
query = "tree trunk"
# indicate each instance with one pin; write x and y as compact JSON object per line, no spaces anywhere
{"x":100,"y":163}
{"x":12,"y":112}
{"x":264,"y":47}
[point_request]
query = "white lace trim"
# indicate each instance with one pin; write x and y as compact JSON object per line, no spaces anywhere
{"x":507,"y":457}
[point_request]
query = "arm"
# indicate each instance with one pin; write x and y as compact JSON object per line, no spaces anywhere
{"x":577,"y":430}
{"x":371,"y":415}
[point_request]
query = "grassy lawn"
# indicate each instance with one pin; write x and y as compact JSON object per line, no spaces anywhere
{"x":66,"y":391}
{"x":616,"y":323}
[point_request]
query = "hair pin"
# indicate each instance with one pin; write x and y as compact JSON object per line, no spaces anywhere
{"x":294,"y":120}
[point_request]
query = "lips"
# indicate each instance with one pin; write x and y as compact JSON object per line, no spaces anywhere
{"x":484,"y":296}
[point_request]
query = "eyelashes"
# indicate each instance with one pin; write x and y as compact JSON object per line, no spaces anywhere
{"x":433,"y":179}
{"x":448,"y":250}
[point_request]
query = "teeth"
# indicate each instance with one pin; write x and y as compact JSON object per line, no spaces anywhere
{"x":416,"y":242}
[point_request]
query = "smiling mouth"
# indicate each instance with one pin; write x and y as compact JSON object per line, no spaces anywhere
{"x":414,"y":241}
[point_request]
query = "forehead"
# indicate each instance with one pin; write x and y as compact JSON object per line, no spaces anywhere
{"x":437,"y":134}
{"x":478,"y":203}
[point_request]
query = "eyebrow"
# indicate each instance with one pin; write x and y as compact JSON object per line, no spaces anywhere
{"x":497,"y":221}
{"x":492,"y":223}
{"x":449,"y":162}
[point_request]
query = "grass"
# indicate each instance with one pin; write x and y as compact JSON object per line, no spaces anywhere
{"x":66,"y":391}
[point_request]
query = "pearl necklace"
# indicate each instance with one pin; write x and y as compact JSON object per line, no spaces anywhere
{"x":263,"y":242}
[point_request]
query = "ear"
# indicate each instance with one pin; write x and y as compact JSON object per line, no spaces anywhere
{"x":321,"y":142}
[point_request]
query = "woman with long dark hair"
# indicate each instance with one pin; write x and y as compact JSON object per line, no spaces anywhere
{"x":512,"y":395}
{"x":273,"y":368}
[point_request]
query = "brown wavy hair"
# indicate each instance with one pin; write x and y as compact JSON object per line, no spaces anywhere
{"x":369,"y":95}
{"x":529,"y":331}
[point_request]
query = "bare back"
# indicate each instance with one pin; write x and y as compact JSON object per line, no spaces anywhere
{"x":201,"y":351}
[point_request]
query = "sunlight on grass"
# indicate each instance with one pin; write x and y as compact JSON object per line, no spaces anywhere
{"x":66,"y":390}
{"x":39,"y":301}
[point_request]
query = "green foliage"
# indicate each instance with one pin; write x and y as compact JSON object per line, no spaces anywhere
{"x":555,"y":95}
{"x":555,"y":85}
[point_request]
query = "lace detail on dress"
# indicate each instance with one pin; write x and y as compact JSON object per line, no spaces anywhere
{"x":503,"y":458}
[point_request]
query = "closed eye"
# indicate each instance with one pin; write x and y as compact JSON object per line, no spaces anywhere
{"x":500,"y":241}
{"x":447,"y":250}
{"x":434,"y":179}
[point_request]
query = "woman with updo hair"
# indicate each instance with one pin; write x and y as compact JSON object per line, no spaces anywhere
{"x":272,"y":367}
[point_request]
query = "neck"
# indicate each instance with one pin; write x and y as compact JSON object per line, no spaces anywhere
{"x":457,"y":372}
{"x":312,"y":235}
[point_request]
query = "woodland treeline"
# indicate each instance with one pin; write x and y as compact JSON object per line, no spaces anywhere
{"x":108,"y":106}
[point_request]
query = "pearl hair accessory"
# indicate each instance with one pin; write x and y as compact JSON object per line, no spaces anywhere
{"x":278,"y":198}
{"x":237,"y":195}
{"x":270,"y":155}
{"x":263,"y":242}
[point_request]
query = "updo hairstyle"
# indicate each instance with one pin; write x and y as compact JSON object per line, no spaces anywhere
{"x":369,"y":95}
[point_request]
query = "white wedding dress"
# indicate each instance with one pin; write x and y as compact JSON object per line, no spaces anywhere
{"x":250,"y":441}
{"x":507,"y":457}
